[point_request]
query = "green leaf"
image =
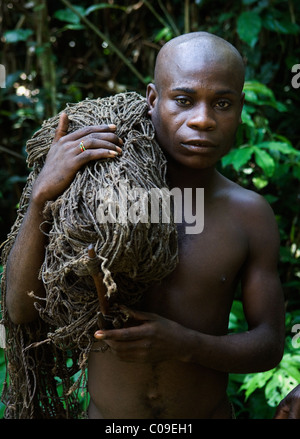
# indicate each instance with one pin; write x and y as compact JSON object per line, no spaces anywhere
{"x":251,"y":96}
{"x":238,"y":157}
{"x":259,"y":94}
{"x":282,"y":25}
{"x":247,"y":119}
{"x":103,"y":6}
{"x":264,"y":161}
{"x":225,"y":16}
{"x":258,"y":88}
{"x":255,"y":381}
{"x":69,"y":16}
{"x":237,"y":322}
{"x":260,"y":182}
{"x":275,"y":393}
{"x":164,"y":34}
{"x":73,"y":27}
{"x":271,"y":198}
{"x":14,"y":36}
{"x":282,"y":147}
{"x":248,"y":27}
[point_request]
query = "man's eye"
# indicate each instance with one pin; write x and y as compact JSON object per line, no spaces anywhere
{"x":223,"y":105}
{"x":183,"y":101}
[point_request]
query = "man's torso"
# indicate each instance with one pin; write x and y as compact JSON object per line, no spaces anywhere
{"x":197,"y":295}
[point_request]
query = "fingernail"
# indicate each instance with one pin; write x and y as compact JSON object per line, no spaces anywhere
{"x":112,"y":126}
{"x":99,"y":335}
{"x":114,"y":153}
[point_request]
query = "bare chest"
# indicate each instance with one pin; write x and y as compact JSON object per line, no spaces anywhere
{"x":200,"y":291}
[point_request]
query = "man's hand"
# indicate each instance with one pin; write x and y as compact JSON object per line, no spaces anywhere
{"x":152,"y":340}
{"x":289,"y":407}
{"x":65,"y":156}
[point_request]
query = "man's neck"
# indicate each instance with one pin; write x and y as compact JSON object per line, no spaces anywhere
{"x":185,"y":177}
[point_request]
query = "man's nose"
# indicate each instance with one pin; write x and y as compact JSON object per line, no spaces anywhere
{"x":201,"y":118}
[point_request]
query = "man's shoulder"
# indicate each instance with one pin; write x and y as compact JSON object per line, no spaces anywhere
{"x":252,"y":216}
{"x":239,"y":194}
{"x":248,"y":203}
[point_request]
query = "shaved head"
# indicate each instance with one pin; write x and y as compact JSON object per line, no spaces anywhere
{"x":203,"y":47}
{"x":197,"y":96}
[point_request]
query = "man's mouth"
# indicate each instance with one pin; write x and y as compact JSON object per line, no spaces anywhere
{"x":198,"y":145}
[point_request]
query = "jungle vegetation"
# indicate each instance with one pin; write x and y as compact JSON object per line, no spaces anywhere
{"x":60,"y":51}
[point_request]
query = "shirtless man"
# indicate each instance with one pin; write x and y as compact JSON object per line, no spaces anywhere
{"x":175,"y":363}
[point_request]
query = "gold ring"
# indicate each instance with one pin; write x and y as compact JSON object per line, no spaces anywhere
{"x":81,"y":146}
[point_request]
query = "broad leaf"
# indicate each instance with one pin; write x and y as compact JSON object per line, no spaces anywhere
{"x":264,"y":161}
{"x":248,"y":27}
{"x":238,"y":157}
{"x":14,"y":36}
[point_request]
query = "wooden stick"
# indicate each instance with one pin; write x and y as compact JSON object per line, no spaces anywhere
{"x":98,"y":280}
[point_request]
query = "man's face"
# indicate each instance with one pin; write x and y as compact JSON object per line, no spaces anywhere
{"x":196,"y":110}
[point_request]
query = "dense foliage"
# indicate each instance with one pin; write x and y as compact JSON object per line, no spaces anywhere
{"x":60,"y":51}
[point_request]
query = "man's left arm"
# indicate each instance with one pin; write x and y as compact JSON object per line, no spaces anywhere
{"x":261,"y":347}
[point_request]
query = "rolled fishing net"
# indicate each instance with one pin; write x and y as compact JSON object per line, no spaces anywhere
{"x":109,"y":205}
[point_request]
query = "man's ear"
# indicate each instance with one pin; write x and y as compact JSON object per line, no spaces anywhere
{"x":151,"y":96}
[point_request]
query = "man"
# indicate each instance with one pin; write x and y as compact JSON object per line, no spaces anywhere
{"x":174,"y":362}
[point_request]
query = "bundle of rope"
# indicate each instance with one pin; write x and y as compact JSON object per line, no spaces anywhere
{"x":132,"y":255}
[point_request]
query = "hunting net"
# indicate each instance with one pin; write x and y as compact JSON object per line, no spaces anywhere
{"x":47,"y":359}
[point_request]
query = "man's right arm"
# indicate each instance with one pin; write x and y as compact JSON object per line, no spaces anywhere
{"x":23,"y":266}
{"x":64,"y":159}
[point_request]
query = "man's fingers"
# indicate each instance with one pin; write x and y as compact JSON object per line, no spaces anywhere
{"x":90,"y":131}
{"x":62,"y":127}
{"x":114,"y":334}
{"x":123,"y":334}
{"x":100,"y":137}
{"x":102,"y":141}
